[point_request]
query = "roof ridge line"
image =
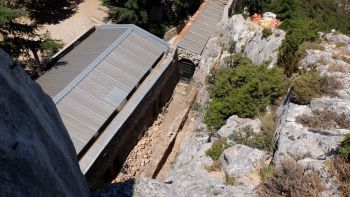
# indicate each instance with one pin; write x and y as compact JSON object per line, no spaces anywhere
{"x":57,"y":98}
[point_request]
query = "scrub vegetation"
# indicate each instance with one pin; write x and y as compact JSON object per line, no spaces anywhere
{"x":245,"y":90}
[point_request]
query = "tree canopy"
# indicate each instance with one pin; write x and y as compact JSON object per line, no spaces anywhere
{"x":155,"y":16}
{"x":21,"y":40}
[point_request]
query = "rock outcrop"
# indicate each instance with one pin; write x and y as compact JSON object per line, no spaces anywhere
{"x":244,"y":163}
{"x":312,"y":147}
{"x":249,"y":39}
{"x":37,"y":157}
{"x":234,"y":123}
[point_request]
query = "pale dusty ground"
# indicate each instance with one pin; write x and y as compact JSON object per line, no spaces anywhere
{"x":89,"y":13}
{"x":140,"y":156}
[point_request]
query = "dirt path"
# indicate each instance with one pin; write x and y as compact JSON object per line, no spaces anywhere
{"x":146,"y":151}
{"x":89,"y":13}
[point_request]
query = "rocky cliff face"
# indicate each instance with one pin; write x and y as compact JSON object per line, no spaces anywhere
{"x":312,"y":147}
{"x":249,"y":39}
{"x":37,"y":157}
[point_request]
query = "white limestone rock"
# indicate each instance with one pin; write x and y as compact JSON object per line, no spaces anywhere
{"x":189,"y":177}
{"x":234,"y":123}
{"x":138,"y":188}
{"x":261,"y":50}
{"x":297,"y":142}
{"x":244,"y":163}
{"x":37,"y":156}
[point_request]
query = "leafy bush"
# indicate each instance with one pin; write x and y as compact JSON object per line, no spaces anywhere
{"x":306,"y":87}
{"x":344,"y":149}
{"x":237,"y":59}
{"x":301,"y":53}
{"x":216,"y":150}
{"x":244,"y":91}
{"x":262,"y":141}
{"x":311,"y":85}
{"x":290,"y":179}
{"x":298,"y":31}
{"x":266,"y":32}
{"x":302,"y":20}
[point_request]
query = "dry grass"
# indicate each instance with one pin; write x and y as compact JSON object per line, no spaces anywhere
{"x":336,"y":68}
{"x":340,"y":168}
{"x":268,"y":122}
{"x":330,"y":85}
{"x":344,"y":56}
{"x":266,"y":172}
{"x":290,"y":180}
{"x":321,"y":61}
{"x":324,"y":120}
{"x":340,"y":44}
{"x":213,"y":167}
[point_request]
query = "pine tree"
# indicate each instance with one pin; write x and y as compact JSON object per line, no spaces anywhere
{"x":21,"y":39}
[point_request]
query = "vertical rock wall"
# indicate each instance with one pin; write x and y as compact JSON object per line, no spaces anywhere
{"x":37,"y":157}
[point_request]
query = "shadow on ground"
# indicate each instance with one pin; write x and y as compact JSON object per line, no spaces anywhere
{"x":125,"y":189}
{"x":55,"y":12}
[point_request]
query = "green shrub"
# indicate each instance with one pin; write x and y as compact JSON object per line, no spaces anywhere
{"x":302,"y":20}
{"x":245,"y":91}
{"x":216,"y":150}
{"x":232,"y":48}
{"x":306,"y":87}
{"x":344,"y":149}
{"x":311,"y":85}
{"x":262,"y":141}
{"x":298,"y":31}
{"x":237,"y":59}
{"x":230,"y":180}
{"x":266,"y":32}
{"x":266,"y":171}
{"x":301,"y":53}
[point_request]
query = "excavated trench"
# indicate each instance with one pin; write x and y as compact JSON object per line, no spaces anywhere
{"x":151,"y":152}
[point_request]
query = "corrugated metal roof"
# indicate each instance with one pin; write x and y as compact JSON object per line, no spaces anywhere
{"x":99,"y":146}
{"x":72,"y":64}
{"x":202,"y":28}
{"x":94,"y":91}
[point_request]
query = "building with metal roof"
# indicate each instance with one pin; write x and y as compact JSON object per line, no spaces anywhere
{"x":108,"y":86}
{"x":202,"y":28}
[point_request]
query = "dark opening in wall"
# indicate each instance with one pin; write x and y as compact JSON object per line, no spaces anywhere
{"x":186,"y":69}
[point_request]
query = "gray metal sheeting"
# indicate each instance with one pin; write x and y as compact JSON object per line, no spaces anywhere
{"x":69,"y":66}
{"x":97,"y":149}
{"x":202,"y":28}
{"x":95,"y":94}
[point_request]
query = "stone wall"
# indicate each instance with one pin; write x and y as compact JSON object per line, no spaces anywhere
{"x":108,"y":165}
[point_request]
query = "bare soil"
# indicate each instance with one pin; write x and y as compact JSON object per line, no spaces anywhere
{"x":88,"y":14}
{"x":141,"y":157}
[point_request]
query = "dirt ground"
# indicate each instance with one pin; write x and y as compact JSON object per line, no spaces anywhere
{"x":89,"y":13}
{"x":145,"y":151}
